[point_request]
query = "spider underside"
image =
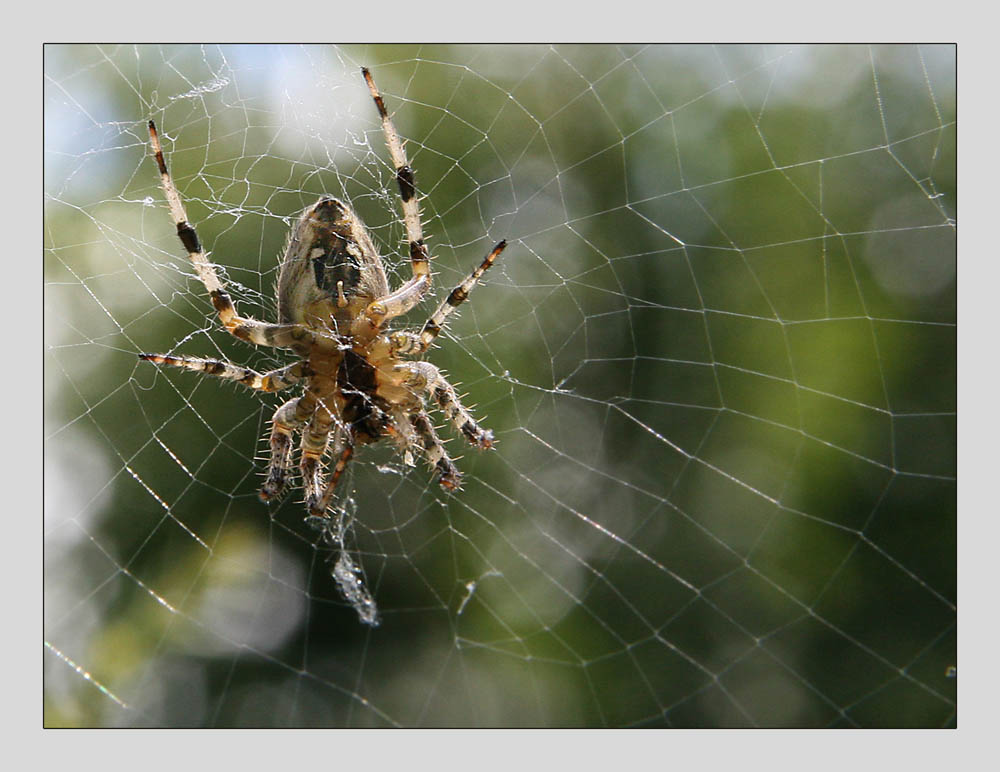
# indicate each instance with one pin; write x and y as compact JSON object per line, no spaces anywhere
{"x":333,"y":301}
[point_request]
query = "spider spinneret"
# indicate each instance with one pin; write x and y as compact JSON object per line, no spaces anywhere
{"x":333,"y":302}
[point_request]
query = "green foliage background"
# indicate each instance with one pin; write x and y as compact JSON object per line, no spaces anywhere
{"x":719,"y":355}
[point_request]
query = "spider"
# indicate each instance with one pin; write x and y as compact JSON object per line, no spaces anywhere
{"x":333,"y":303}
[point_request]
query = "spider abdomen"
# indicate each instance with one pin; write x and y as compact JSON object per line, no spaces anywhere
{"x":330,"y":271}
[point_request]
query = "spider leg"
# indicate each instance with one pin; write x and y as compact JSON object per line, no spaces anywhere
{"x":407,"y":187}
{"x":404,"y":434}
{"x":343,"y":449}
{"x":449,"y":477}
{"x":274,"y":380}
{"x":407,"y":296}
{"x":287,"y":419}
{"x":455,"y":298}
{"x":426,"y":377}
{"x":294,"y":336}
{"x":315,"y":439}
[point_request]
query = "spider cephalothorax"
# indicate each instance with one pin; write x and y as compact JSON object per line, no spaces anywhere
{"x":333,"y":302}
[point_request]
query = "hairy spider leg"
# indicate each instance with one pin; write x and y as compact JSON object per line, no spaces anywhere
{"x":273,"y":380}
{"x":434,"y":325}
{"x":343,"y":450}
{"x":312,"y":447}
{"x":286,"y":420}
{"x":423,"y":376}
{"x":449,"y":476}
{"x":408,"y":295}
{"x":293,"y":336}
